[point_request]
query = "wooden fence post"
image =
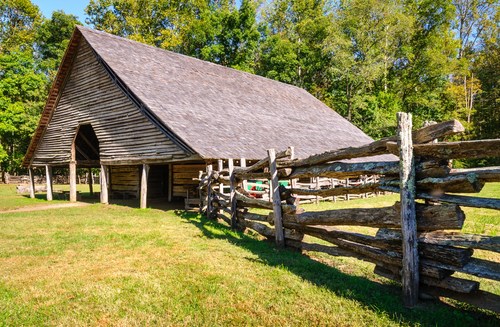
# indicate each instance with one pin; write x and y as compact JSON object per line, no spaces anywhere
{"x":32,"y":182}
{"x":243,"y":163}
{"x":72,"y":181}
{"x":410,"y":273}
{"x":104,"y":184}
{"x":278,"y":219}
{"x":144,"y":186}
{"x":48,"y":181}
{"x":232,"y":195}
{"x":209,"y":190}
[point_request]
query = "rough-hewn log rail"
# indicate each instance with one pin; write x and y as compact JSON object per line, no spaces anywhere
{"x":489,"y":243}
{"x":269,"y":232}
{"x":485,"y":174}
{"x":423,"y":135}
{"x":476,"y":267}
{"x":449,"y":283}
{"x":240,"y":171}
{"x":454,"y":150}
{"x":386,"y":241}
{"x":346,"y":170}
{"x":429,"y":217}
{"x":469,"y":183}
{"x":465,"y":201}
{"x":246,"y":201}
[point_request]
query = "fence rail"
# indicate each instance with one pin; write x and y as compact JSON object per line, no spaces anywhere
{"x":418,"y":244}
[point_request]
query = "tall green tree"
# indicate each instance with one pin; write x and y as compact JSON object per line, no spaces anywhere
{"x":52,"y":38}
{"x":216,"y":31}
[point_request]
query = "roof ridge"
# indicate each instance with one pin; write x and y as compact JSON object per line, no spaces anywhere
{"x":124,"y":39}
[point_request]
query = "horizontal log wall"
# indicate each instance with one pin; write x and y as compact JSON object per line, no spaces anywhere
{"x":124,"y":181}
{"x":185,"y":178}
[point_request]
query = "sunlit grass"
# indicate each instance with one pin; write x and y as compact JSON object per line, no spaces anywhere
{"x":116,"y":265}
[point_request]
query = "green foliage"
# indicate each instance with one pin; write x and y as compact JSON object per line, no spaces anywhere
{"x":367,"y":59}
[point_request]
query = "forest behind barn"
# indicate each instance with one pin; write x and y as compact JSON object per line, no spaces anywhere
{"x":365,"y":59}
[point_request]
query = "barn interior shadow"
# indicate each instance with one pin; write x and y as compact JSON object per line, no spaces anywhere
{"x":370,"y":294}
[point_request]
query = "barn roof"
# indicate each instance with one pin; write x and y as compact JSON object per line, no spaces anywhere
{"x":208,"y":109}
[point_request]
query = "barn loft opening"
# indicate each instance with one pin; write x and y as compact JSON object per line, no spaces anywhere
{"x":87,"y":146}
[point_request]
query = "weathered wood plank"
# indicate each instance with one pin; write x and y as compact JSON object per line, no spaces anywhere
{"x":104,"y":184}
{"x":260,"y":164}
{"x":344,"y":170}
{"x":429,"y":217}
{"x":423,"y":135}
{"x":450,"y":283}
{"x":485,"y":174}
{"x":455,"y":150}
{"x":144,"y":186}
{"x":72,"y":181}
{"x":276,"y":204}
{"x":48,"y":179}
{"x":465,"y":201}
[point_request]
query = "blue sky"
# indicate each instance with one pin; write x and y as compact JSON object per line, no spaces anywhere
{"x":74,"y":7}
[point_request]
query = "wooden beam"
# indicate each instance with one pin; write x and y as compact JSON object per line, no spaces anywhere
{"x":144,"y":186}
{"x":278,"y":219}
{"x":486,"y":174}
{"x":72,"y":181}
{"x":232,"y":194}
{"x":455,"y":150}
{"x":170,"y":182}
{"x":410,"y":273}
{"x":209,"y":170}
{"x":104,"y":184}
{"x":422,"y":135}
{"x":344,"y":170}
{"x":261,"y":163}
{"x":32,"y":182}
{"x":90,"y":181}
{"x":48,"y":178}
{"x":243,"y":164}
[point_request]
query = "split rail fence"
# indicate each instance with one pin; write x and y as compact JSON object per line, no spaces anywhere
{"x":417,"y":243}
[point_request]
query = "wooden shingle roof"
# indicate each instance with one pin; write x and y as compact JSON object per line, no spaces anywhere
{"x":215,"y":111}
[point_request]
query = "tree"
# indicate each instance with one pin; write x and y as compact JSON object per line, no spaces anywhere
{"x":52,"y":38}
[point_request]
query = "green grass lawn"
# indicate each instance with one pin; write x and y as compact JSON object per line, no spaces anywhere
{"x":117,"y":265}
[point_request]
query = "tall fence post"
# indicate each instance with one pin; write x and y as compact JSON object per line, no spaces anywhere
{"x":232,"y":195}
{"x":410,"y":278}
{"x":278,"y":219}
{"x":209,"y":190}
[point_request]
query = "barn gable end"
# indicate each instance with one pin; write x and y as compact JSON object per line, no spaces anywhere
{"x":91,"y":97}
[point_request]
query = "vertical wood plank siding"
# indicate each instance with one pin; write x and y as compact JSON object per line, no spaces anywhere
{"x":91,"y":97}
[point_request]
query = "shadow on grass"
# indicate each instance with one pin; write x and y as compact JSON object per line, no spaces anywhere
{"x":372,"y":295}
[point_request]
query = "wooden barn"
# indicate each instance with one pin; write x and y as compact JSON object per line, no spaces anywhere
{"x":154,"y":118}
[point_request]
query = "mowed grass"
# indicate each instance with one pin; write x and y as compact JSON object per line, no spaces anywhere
{"x":117,"y":265}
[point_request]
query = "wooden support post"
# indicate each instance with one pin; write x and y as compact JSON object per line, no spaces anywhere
{"x":278,"y":219}
{"x":32,"y":182}
{"x":293,"y":181}
{"x":317,"y":187}
{"x":144,"y":186}
{"x":170,"y":187}
{"x":209,"y":190}
{"x":104,"y":184}
{"x":232,"y":195}
{"x":243,"y":163}
{"x":410,"y":272}
{"x":72,"y":181}
{"x":220,"y":166}
{"x":48,"y":180}
{"x":90,"y":180}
